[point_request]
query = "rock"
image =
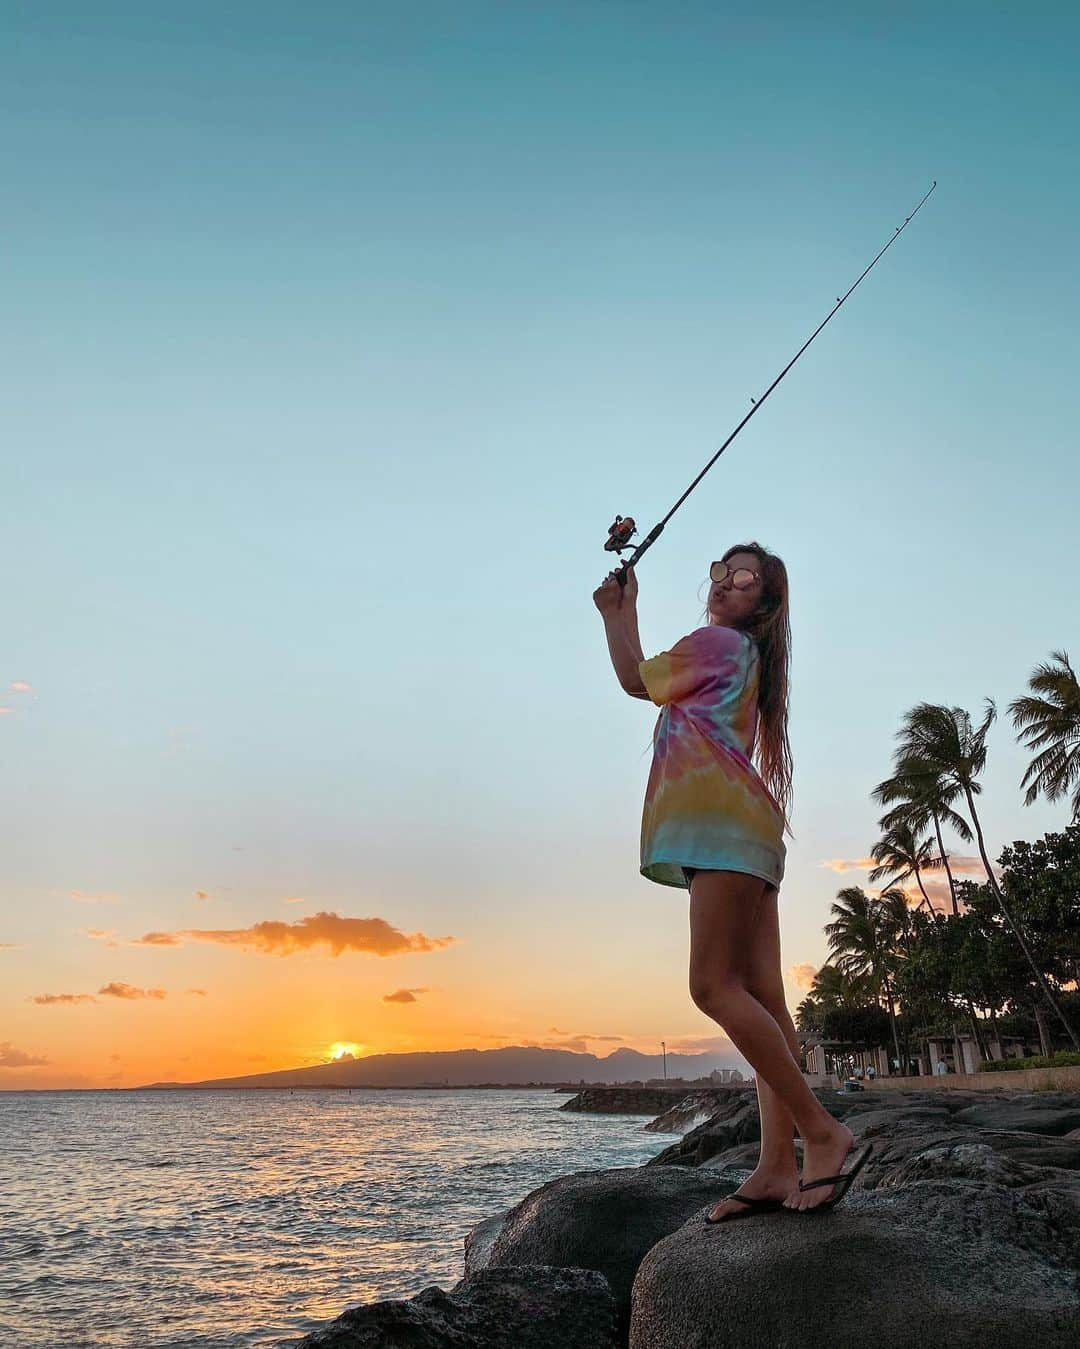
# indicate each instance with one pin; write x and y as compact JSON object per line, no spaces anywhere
{"x":537,"y":1307}
{"x":479,"y":1241}
{"x":897,"y":1146}
{"x":1022,"y":1115}
{"x":869,"y":1123}
{"x":963,"y":1160}
{"x":718,"y":1134}
{"x":625,"y":1100}
{"x":700,"y":1107}
{"x":606,"y":1220}
{"x":936,"y":1263}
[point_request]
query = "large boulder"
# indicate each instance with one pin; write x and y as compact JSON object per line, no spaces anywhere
{"x":531,"y":1308}
{"x":938,"y":1262}
{"x":606,"y":1220}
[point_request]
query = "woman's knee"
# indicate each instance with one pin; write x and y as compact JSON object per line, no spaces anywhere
{"x":716,"y":995}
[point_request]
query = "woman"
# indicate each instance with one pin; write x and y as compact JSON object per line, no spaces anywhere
{"x":713,"y":825}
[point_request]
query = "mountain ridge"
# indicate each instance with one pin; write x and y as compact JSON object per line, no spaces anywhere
{"x":510,"y":1065}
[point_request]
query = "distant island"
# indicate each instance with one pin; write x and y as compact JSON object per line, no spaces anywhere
{"x":511,"y":1066}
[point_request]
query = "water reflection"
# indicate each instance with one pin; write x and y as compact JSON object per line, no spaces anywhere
{"x":245,"y":1218}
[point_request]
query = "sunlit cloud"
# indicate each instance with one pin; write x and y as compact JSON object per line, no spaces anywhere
{"x":61,"y":999}
{"x":937,"y":892}
{"x":20,"y":686}
{"x":101,"y":897}
{"x":802,"y":975}
{"x":848,"y":863}
{"x":103,"y":934}
{"x":701,"y":1044}
{"x":966,"y":865}
{"x":196,"y":992}
{"x":10,"y":1057}
{"x":574,"y":1046}
{"x":9,"y":946}
{"x":335,"y":932}
{"x":583,"y":1035}
{"x":202,"y":894}
{"x":129,"y":991}
{"x":294,"y":899}
{"x":6,"y":711}
{"x":403,"y":995}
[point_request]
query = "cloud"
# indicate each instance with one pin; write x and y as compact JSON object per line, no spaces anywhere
{"x":294,"y":899}
{"x":9,"y":946}
{"x":802,"y":975}
{"x":583,"y":1035}
{"x":104,"y":934}
{"x":698,"y":1044}
{"x":102,"y":897}
{"x":848,"y":863}
{"x":10,"y":1057}
{"x":129,"y":991}
{"x":59,"y":999}
{"x":202,"y":894}
{"x":574,"y":1045}
{"x":20,"y":686}
{"x":959,"y":862}
{"x":966,"y":864}
{"x":937,"y":891}
{"x":337,"y":933}
{"x":196,"y":992}
{"x":6,"y":711}
{"x":403,"y":995}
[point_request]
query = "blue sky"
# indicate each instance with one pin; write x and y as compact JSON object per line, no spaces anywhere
{"x":335,"y":338}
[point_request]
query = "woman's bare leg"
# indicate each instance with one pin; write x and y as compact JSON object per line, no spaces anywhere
{"x":725,"y":965}
{"x":777,"y":1172}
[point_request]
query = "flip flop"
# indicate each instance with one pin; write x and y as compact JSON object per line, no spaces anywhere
{"x":763,"y":1205}
{"x":842,"y":1182}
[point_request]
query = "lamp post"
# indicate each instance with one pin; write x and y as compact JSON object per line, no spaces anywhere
{"x":663,"y":1047}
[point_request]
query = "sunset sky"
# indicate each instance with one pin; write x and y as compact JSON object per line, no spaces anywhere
{"x":335,"y":337}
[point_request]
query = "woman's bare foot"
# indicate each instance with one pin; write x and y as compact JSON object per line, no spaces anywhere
{"x":822,"y":1157}
{"x":760,"y":1184}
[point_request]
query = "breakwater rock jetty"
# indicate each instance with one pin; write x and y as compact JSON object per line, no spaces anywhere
{"x":962,"y":1231}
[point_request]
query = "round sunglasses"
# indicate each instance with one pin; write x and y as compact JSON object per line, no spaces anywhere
{"x":742,"y":578}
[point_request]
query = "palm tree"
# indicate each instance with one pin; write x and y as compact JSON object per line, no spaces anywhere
{"x":943,"y":751}
{"x":831,"y":989}
{"x":1050,"y":723}
{"x":860,"y":940}
{"x":899,"y":854}
{"x":922,"y":800}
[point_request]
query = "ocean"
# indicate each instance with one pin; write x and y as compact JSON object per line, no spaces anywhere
{"x":229,"y":1218}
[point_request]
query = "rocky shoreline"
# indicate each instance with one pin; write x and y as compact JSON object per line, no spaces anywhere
{"x":962,"y":1230}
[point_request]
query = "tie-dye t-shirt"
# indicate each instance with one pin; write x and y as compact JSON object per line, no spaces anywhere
{"x":705,"y":804}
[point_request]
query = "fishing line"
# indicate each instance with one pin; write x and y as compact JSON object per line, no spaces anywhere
{"x":623,"y":527}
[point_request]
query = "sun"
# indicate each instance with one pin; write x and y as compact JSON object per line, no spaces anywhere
{"x":343,"y":1049}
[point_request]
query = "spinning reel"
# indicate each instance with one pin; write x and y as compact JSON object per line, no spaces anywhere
{"x":619,"y":535}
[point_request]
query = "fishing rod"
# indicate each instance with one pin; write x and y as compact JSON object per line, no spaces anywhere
{"x":623,"y":528}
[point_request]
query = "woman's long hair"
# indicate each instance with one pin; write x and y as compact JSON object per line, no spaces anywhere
{"x":771,"y":630}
